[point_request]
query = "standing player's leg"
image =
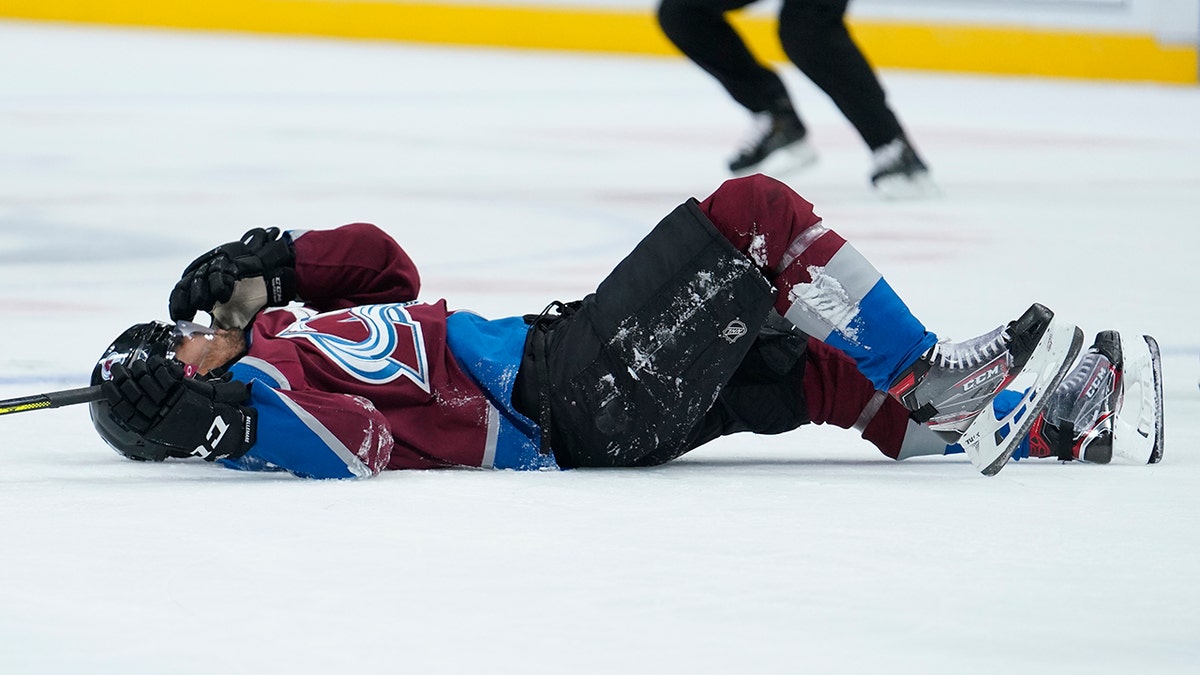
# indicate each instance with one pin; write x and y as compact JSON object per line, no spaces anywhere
{"x":813,"y":33}
{"x":701,"y":30}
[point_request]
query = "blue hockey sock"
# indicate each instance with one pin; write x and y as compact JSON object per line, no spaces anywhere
{"x":851,"y":307}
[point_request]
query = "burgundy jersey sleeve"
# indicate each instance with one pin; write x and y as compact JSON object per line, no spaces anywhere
{"x":355,"y":264}
{"x":314,"y":434}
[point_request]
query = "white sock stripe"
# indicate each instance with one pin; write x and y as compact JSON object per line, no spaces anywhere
{"x":800,"y":244}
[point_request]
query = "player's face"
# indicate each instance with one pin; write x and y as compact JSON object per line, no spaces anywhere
{"x":207,"y":348}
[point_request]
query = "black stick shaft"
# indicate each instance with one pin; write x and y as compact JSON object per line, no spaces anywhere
{"x":52,"y":399}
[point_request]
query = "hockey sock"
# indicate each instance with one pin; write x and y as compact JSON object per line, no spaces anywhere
{"x":836,"y":393}
{"x":824,"y":286}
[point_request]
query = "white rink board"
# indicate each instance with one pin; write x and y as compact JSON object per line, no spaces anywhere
{"x":1170,"y":20}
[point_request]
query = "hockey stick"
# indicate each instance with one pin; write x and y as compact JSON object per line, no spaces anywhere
{"x":52,"y":399}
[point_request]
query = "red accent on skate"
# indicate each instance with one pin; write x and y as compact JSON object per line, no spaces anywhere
{"x":1038,"y":446}
{"x":900,"y":388}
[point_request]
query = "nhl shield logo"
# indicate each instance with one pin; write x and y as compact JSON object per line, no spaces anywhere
{"x":734,"y":331}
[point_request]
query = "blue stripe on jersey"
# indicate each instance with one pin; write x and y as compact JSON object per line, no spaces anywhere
{"x":249,"y":369}
{"x":883,"y":337}
{"x":305,"y":447}
{"x":489,"y":351}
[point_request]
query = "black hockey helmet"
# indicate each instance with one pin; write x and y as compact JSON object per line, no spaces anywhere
{"x":138,"y":343}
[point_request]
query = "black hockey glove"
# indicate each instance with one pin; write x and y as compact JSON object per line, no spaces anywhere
{"x":190,"y":417}
{"x":236,"y":280}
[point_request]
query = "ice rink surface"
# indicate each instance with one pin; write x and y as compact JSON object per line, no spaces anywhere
{"x":513,"y":179}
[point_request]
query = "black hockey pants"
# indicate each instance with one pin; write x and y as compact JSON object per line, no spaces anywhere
{"x":813,"y":35}
{"x":670,"y":352}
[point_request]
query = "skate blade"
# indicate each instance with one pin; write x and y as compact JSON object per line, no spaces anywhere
{"x":1138,"y":422}
{"x":989,"y":442}
{"x":919,"y":186}
{"x":785,"y":161}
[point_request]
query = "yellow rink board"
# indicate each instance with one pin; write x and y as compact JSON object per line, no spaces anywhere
{"x":947,"y":47}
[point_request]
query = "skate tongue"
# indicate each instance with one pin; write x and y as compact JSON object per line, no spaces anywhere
{"x":989,"y":442}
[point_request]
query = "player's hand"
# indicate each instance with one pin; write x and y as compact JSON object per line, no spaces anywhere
{"x":245,"y":276}
{"x":192,"y":417}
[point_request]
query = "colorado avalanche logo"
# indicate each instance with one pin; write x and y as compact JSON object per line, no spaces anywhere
{"x":375,"y":344}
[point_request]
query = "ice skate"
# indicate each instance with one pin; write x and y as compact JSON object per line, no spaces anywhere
{"x":777,"y":146}
{"x":948,"y":386}
{"x":899,"y":173}
{"x":1108,"y":409}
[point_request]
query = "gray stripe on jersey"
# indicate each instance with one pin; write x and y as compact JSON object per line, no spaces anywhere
{"x":493,"y":433}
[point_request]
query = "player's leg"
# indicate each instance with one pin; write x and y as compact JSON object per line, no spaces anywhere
{"x":813,"y":34}
{"x":1079,"y":421}
{"x":836,"y":393}
{"x":788,"y":380}
{"x":1108,"y":409}
{"x":631,"y":368}
{"x":828,"y":290}
{"x":701,"y":31}
{"x":765,"y":395}
{"x":824,"y":286}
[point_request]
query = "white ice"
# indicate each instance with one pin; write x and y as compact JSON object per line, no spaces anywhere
{"x":515,"y":178}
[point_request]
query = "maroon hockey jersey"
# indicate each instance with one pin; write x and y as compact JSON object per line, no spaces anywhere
{"x":361,"y":377}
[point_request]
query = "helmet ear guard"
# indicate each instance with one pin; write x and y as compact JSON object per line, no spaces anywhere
{"x":137,"y":343}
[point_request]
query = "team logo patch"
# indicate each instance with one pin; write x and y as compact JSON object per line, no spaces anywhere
{"x":734,"y":331}
{"x":375,"y":344}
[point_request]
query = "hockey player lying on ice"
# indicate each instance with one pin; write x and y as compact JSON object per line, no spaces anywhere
{"x":742,"y":312}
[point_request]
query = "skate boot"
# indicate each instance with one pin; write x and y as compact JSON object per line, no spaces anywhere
{"x":899,"y":173}
{"x":775,"y":147}
{"x":1108,"y":409}
{"x":948,"y":386}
